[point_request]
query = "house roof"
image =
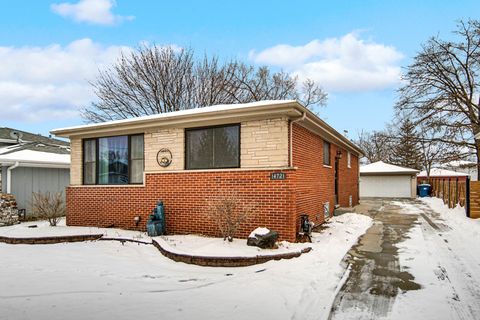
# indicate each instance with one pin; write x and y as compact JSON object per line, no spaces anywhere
{"x":5,"y":136}
{"x":218,"y":114}
{"x":381,"y":167}
{"x":437,"y":172}
{"x":35,"y":154}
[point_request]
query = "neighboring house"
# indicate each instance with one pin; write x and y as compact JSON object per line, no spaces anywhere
{"x":439,"y":173}
{"x":463,"y":166}
{"x":380,"y":179}
{"x":277,"y":155}
{"x":32,"y":163}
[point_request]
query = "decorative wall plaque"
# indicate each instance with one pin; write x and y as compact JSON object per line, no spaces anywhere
{"x":164,"y":157}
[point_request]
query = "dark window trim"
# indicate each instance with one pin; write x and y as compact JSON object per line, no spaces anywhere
{"x":185,"y":166}
{"x":83,"y":161}
{"x":329,"y":153}
{"x":97,"y":159}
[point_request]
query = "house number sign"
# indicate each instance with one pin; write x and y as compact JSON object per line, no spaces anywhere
{"x":278,"y":176}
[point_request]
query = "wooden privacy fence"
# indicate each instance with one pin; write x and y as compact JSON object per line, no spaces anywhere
{"x":461,"y":191}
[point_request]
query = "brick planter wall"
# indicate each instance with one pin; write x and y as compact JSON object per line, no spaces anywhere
{"x":184,"y":195}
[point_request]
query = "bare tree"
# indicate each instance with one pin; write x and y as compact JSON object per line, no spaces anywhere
{"x":434,"y":151}
{"x":228,"y":211}
{"x":442,"y":87}
{"x":152,"y":80}
{"x":376,"y":145}
{"x":49,"y":206}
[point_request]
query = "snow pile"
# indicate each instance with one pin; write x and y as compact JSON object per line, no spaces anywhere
{"x":444,"y":262}
{"x":455,"y":218}
{"x":259,"y":231}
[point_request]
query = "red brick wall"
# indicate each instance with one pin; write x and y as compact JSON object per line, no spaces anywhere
{"x":314,"y":181}
{"x":184,"y":195}
{"x":279,"y":203}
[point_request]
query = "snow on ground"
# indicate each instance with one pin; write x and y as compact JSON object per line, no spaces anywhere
{"x":43,"y":229}
{"x":110,"y":280}
{"x":445,"y":261}
{"x":216,"y":247}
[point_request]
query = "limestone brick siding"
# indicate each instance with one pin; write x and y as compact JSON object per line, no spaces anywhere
{"x":264,"y":143}
{"x":76,"y":161}
{"x":172,"y":139}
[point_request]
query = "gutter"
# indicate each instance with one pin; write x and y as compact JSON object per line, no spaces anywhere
{"x":9,"y":176}
{"x":302,"y":118}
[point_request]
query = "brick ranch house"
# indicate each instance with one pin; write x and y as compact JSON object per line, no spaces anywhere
{"x":120,"y":169}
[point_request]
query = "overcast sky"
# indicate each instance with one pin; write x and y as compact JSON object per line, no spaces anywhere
{"x":355,"y":49}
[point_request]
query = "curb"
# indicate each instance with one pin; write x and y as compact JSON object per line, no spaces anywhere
{"x":50,"y":240}
{"x":207,"y":261}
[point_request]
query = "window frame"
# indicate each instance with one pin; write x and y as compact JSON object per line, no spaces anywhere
{"x":97,"y":158}
{"x":349,"y":159}
{"x":329,"y":164}
{"x":238,"y":125}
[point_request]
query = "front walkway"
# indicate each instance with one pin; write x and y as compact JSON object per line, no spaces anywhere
{"x":411,"y":265}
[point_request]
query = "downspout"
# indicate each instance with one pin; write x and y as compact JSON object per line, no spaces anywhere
{"x":9,"y":176}
{"x":304,"y":115}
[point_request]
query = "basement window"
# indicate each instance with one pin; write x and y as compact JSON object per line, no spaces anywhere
{"x":113,"y":160}
{"x":212,"y":147}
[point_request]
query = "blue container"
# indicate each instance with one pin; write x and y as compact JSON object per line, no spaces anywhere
{"x":424,"y":190}
{"x":156,"y":221}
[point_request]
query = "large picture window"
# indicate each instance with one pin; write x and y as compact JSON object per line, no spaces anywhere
{"x":113,"y":160}
{"x":213,"y":147}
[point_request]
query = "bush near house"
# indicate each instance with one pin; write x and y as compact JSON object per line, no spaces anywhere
{"x":49,"y":207}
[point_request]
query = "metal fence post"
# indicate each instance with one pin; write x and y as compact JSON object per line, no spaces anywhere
{"x":467,"y":196}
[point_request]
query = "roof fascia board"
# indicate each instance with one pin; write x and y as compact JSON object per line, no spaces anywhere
{"x":188,"y":120}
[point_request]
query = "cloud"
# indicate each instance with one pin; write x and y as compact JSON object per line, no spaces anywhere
{"x":90,"y":11}
{"x":41,"y":83}
{"x":338,"y":64}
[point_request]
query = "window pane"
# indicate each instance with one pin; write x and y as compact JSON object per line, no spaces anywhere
{"x":199,"y":149}
{"x":226,"y":147}
{"x":89,"y":173}
{"x":89,"y":150}
{"x":136,"y":145}
{"x":113,"y":160}
{"x":89,"y":158}
{"x":326,"y":153}
{"x":136,"y":171}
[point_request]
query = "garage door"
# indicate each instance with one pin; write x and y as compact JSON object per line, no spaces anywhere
{"x":386,"y":186}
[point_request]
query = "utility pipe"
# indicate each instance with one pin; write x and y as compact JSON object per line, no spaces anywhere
{"x":304,"y":115}
{"x":9,"y":176}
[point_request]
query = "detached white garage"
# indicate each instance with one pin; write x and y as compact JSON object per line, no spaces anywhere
{"x":385,"y":180}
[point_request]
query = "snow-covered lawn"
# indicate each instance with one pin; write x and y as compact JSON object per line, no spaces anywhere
{"x":43,"y":229}
{"x":445,"y":261}
{"x":110,"y":280}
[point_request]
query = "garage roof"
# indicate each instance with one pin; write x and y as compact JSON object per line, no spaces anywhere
{"x":380,"y":167}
